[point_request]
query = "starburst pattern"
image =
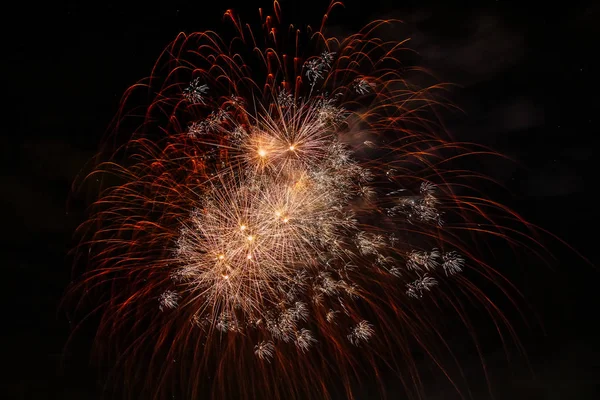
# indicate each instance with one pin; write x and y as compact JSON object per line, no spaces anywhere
{"x":361,"y":332}
{"x":419,"y":286}
{"x":317,"y":68}
{"x":168,"y":299}
{"x":195,"y":91}
{"x":264,"y":350}
{"x":281,"y":223}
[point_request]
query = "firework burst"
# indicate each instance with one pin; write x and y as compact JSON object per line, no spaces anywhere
{"x":276,"y":218}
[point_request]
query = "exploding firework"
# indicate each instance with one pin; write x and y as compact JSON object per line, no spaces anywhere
{"x":278,"y":217}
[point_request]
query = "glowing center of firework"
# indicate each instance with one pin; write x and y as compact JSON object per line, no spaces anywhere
{"x":272,"y":219}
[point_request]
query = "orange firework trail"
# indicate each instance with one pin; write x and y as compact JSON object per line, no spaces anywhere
{"x":279,"y":218}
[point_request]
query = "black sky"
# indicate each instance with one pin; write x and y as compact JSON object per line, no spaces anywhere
{"x":528,"y":75}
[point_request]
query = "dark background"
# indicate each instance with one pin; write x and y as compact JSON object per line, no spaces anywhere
{"x":529,"y":89}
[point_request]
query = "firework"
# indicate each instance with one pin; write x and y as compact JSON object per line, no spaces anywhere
{"x":275,"y":218}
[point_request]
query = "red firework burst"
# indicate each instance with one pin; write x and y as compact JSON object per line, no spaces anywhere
{"x":283,"y":219}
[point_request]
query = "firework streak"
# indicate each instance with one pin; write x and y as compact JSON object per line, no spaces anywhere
{"x":278,"y":218}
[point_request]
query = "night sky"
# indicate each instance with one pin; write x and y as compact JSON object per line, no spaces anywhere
{"x":527,"y":78}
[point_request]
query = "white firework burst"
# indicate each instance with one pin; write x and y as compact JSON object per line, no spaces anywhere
{"x":452,"y":263}
{"x":264,"y":350}
{"x":361,"y":332}
{"x":304,"y":339}
{"x":168,"y":299}
{"x":195,"y":92}
{"x":419,"y":286}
